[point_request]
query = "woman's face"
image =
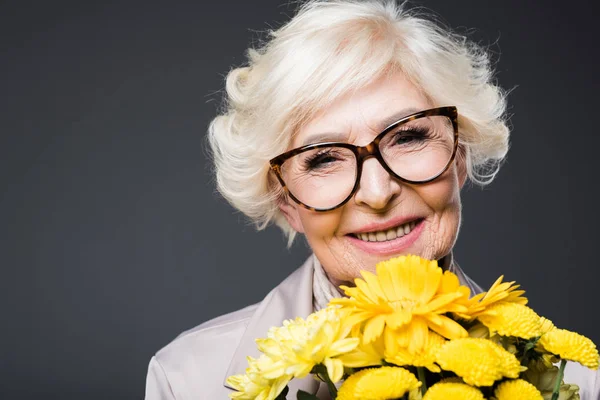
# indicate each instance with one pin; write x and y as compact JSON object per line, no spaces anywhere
{"x":429,"y":212}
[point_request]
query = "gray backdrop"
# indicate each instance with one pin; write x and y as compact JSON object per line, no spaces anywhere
{"x":113,"y":240}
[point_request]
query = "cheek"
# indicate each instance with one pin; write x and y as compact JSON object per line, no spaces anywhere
{"x":443,"y":199}
{"x":442,"y":195}
{"x":319,"y":227}
{"x":338,"y":258}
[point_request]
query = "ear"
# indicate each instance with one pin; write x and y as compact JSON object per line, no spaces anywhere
{"x":290,"y":210}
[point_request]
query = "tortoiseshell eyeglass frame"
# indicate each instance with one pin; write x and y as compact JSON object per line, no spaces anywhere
{"x":371,"y":150}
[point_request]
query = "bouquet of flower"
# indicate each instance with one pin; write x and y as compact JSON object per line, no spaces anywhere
{"x":413,"y":332}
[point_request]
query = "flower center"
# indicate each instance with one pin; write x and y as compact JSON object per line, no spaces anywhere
{"x":403,"y":304}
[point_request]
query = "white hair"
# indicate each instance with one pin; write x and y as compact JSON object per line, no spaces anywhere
{"x":326,"y":50}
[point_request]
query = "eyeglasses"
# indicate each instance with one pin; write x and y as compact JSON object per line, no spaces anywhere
{"x":415,"y":149}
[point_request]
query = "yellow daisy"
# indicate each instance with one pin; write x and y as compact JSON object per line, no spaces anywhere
{"x":517,"y":389}
{"x":451,"y":390}
{"x":479,"y":362}
{"x":570,"y":346}
{"x":408,"y":296}
{"x":383,"y":383}
{"x":505,"y":292}
{"x":511,"y":319}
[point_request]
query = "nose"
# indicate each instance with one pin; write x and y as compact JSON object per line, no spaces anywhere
{"x":376,"y":188}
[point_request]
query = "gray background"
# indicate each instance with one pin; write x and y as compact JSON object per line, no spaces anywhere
{"x":113,"y":240}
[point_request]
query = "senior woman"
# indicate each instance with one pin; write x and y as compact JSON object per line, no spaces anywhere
{"x":355,"y":125}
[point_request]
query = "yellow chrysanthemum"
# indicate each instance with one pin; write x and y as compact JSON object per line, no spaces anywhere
{"x":511,"y":319}
{"x":299,"y":345}
{"x":450,"y":390}
{"x":378,"y":384}
{"x":426,"y":357}
{"x":408,"y":296}
{"x":570,"y":346}
{"x":505,"y":292}
{"x":517,"y":389}
{"x":546,"y":325}
{"x":479,"y":362}
{"x":254,"y":386}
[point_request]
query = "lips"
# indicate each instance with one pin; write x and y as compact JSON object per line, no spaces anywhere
{"x":374,"y":242}
{"x":388,"y":234}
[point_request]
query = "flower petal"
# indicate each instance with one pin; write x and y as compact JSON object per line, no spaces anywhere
{"x":335,"y":369}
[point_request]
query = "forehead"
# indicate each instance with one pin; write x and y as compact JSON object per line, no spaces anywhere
{"x":364,"y":112}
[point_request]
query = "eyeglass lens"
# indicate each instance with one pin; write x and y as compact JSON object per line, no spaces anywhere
{"x":417,"y":151}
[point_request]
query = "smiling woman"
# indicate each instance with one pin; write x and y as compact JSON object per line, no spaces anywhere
{"x":355,"y":125}
{"x":413,"y":186}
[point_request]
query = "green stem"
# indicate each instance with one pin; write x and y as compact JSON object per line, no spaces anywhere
{"x":332,"y":388}
{"x":559,"y":378}
{"x":324,"y":376}
{"x":421,"y":374}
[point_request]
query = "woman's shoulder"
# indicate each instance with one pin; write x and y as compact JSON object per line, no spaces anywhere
{"x":216,"y":325}
{"x":195,"y":362}
{"x":199,"y":360}
{"x":224,"y":328}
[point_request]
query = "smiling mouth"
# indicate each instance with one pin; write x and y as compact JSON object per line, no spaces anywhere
{"x":387,"y":235}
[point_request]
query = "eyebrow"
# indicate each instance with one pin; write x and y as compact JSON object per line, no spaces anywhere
{"x":324,"y":137}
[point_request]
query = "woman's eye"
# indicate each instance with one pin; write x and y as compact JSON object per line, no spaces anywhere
{"x":321,"y":160}
{"x":404,"y":137}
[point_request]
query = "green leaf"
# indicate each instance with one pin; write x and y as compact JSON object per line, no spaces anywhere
{"x":302,"y":395}
{"x":283,"y":393}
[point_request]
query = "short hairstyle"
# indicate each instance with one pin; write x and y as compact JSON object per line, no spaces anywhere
{"x":326,"y":50}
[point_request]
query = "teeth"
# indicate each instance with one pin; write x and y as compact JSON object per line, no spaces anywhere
{"x":390,"y":234}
